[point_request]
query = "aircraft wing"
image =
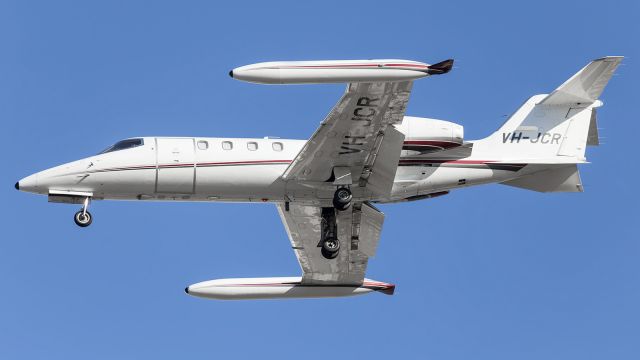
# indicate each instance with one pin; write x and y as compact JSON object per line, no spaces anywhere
{"x":358,"y":228}
{"x":356,"y":138}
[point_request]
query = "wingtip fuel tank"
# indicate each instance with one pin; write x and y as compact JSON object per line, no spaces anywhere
{"x":338,"y":71}
{"x":280,"y":288}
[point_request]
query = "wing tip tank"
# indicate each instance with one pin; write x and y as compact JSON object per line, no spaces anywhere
{"x":338,"y":71}
{"x":280,"y":288}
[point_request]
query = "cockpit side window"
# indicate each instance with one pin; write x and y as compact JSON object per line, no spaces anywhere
{"x":124,"y":144}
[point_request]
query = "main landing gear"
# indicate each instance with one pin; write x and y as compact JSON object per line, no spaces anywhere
{"x":329,"y":243}
{"x":83,"y":217}
{"x":342,"y":199}
{"x":330,"y":248}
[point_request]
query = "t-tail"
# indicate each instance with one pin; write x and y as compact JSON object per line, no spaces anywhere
{"x":550,"y":132}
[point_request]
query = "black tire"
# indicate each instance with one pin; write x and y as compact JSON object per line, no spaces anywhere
{"x":329,"y":255}
{"x":83,"y":219}
{"x":330,"y":248}
{"x":341,"y":207}
{"x":342,"y":199}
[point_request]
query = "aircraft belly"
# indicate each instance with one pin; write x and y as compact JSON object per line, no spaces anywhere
{"x":126,"y":183}
{"x":255,"y":182}
{"x":440,"y":178}
{"x":420,"y":180}
{"x":406,"y":183}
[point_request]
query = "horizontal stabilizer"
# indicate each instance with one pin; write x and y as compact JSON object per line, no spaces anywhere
{"x":586,"y":85}
{"x":557,"y":179}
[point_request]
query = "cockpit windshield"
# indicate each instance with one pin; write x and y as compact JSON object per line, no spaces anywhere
{"x":123,"y":144}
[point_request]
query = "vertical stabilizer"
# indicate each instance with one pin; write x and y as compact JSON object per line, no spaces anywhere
{"x":554,"y":128}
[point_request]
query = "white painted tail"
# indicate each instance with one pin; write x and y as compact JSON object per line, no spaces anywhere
{"x":550,"y":133}
{"x":554,"y":128}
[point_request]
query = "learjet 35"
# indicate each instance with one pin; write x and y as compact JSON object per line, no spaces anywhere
{"x":366,"y":151}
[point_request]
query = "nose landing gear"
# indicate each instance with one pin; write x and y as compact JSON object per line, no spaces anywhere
{"x":83,"y":217}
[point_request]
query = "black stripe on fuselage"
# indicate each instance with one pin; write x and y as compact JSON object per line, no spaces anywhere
{"x":463,"y":164}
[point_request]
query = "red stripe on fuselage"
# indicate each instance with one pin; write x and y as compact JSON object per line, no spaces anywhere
{"x":348,"y":66}
{"x":183,"y":165}
{"x":250,"y":162}
{"x":285,"y":162}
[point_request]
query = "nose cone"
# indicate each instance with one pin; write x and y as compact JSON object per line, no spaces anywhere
{"x":29,"y":184}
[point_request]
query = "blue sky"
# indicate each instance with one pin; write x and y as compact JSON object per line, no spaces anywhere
{"x":486,"y":273}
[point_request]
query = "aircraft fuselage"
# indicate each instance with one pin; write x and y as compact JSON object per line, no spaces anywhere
{"x":234,"y":169}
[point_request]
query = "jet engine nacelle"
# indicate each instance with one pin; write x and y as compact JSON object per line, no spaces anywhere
{"x":426,"y":135}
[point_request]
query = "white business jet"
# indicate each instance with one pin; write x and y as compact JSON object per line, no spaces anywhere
{"x":365,"y":151}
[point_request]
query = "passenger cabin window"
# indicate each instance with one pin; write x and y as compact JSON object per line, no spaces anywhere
{"x":277,"y":146}
{"x":252,"y":146}
{"x":123,"y":145}
{"x":227,"y":145}
{"x":203,"y":145}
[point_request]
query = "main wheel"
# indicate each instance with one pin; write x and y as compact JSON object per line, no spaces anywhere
{"x":342,"y":199}
{"x":330,"y":248}
{"x":83,"y":218}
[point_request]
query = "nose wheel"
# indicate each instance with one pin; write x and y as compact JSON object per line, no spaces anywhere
{"x":83,"y":217}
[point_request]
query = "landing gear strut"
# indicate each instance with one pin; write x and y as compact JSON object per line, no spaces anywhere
{"x":83,"y":217}
{"x":329,"y":243}
{"x":342,"y":199}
